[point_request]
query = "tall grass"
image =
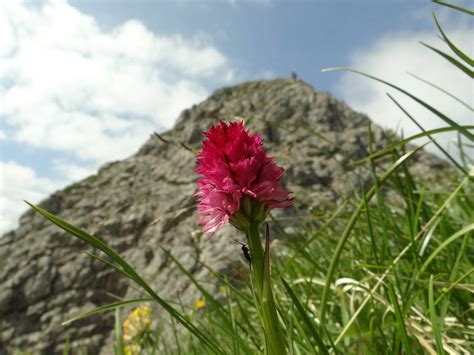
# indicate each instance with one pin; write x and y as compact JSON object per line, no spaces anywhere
{"x":403,"y":282}
{"x":388,"y":270}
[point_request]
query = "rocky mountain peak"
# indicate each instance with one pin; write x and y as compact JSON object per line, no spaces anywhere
{"x":144,"y":203}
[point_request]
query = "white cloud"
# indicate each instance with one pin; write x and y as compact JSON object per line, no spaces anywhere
{"x":73,"y":172}
{"x":70,"y":86}
{"x":89,"y":94}
{"x":390,"y":58}
{"x":18,"y":183}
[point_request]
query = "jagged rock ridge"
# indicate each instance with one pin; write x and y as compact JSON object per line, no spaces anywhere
{"x":145,"y":202}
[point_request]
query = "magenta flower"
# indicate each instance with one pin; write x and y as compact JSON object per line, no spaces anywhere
{"x":239,"y":182}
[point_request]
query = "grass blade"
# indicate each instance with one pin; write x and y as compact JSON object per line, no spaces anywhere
{"x":118,"y":333}
{"x":99,"y":244}
{"x":444,"y":244}
{"x":108,"y":263}
{"x":453,"y":285}
{"x":211,"y":301}
{"x":269,"y":309}
{"x":434,"y":320}
{"x":453,"y":47}
{"x":66,"y":346}
{"x":350,"y":226}
{"x":429,"y":136}
{"x":450,"y":59}
{"x":455,"y":7}
{"x":307,"y":242}
{"x":407,"y":140}
{"x":442,"y":90}
{"x":305,"y":318}
{"x":400,"y":320}
{"x":445,"y":118}
{"x":426,"y":227}
{"x":106,"y":308}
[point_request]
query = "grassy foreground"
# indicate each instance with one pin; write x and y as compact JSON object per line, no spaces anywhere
{"x":378,"y":273}
{"x":403,"y":282}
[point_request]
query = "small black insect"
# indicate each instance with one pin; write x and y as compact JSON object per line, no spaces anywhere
{"x":245,"y":251}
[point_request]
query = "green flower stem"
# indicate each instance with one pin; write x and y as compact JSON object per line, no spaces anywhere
{"x":260,"y":270}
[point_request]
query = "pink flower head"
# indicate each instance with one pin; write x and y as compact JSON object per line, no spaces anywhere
{"x":238,"y":178}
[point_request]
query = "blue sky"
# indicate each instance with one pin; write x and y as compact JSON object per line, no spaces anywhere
{"x":86,"y":82}
{"x":260,"y":37}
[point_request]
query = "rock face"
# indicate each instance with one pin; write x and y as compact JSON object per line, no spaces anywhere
{"x":144,"y":203}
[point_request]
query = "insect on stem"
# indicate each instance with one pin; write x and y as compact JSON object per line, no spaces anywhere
{"x":245,"y":251}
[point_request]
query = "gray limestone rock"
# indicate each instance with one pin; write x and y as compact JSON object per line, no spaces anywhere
{"x":144,"y":203}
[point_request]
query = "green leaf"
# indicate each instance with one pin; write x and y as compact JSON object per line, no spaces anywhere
{"x":214,"y":304}
{"x":118,"y":332}
{"x":445,"y":118}
{"x":453,"y":47}
{"x":305,"y":318}
{"x":207,"y":296}
{"x":452,"y":60}
{"x":66,"y":346}
{"x":456,"y":7}
{"x":407,"y":140}
{"x":434,"y":320}
{"x":99,"y":244}
{"x":301,"y":249}
{"x":107,"y":308}
{"x":446,"y":154}
{"x":453,"y":285}
{"x":427,"y":226}
{"x":108,"y":263}
{"x":442,"y":90}
{"x":350,"y":225}
{"x":276,"y":338}
{"x":400,"y":320}
{"x":444,"y":244}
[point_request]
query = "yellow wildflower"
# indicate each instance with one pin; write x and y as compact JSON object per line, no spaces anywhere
{"x":199,"y":303}
{"x":132,"y":349}
{"x":137,"y":323}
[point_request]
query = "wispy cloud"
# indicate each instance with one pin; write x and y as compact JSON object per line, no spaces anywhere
{"x":73,"y":172}
{"x":70,"y":87}
{"x":391,"y":58}
{"x":18,"y":183}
